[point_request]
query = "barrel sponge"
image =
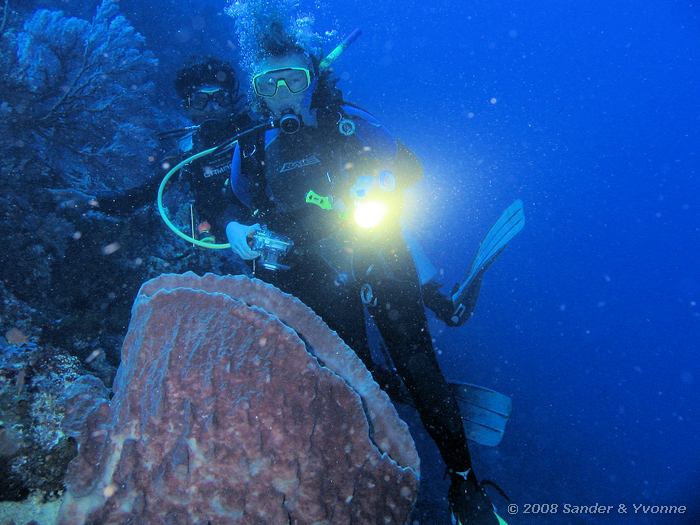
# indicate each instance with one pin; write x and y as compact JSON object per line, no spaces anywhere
{"x":235,"y":403}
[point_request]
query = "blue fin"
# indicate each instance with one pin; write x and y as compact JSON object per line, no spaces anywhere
{"x":484,"y":412}
{"x":507,"y":226}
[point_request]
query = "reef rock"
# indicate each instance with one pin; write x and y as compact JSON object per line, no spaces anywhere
{"x":34,"y":451}
{"x":235,"y":403}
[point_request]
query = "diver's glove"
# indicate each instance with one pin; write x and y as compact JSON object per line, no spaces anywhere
{"x":469,"y":503}
{"x":450,"y":311}
{"x":238,"y":235}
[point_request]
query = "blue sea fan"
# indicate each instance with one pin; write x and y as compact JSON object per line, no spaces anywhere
{"x":78,"y":96}
{"x":38,"y":48}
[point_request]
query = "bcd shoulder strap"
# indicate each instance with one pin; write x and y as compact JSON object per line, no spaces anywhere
{"x":253,"y":168}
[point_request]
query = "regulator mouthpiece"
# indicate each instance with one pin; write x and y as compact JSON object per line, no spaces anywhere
{"x":290,"y":123}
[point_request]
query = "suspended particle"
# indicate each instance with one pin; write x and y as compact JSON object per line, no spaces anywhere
{"x":110,"y":248}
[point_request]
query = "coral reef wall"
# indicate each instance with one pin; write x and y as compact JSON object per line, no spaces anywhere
{"x":76,"y":110}
{"x":79,"y":113}
{"x":235,"y":403}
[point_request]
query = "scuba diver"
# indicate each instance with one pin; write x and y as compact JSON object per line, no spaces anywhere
{"x":317,"y":200}
{"x":209,"y":91}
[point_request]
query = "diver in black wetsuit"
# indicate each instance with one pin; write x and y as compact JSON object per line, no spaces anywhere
{"x":209,"y":90}
{"x":325,"y":161}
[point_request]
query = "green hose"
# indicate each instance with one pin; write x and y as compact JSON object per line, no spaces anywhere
{"x":163,"y":214}
{"x":216,"y":149}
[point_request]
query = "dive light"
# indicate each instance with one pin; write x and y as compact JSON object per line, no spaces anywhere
{"x":369,"y":213}
{"x":369,"y":193}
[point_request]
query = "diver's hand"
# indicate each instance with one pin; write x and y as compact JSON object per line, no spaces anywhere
{"x":238,"y":235}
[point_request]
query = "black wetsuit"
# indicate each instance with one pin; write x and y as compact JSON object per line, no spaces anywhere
{"x":271,"y":175}
{"x":208,"y":177}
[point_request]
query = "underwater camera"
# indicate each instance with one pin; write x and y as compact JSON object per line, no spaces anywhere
{"x":272,"y":248}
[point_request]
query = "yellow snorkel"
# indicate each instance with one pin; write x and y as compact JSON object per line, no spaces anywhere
{"x":340,"y":49}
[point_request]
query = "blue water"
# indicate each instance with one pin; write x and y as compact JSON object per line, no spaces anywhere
{"x":590,"y":113}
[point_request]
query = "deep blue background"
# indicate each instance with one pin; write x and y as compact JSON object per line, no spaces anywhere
{"x":590,"y":320}
{"x":589,"y":112}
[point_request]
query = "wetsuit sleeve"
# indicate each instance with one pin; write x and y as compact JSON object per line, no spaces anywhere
{"x":124,"y":202}
{"x":237,"y":198}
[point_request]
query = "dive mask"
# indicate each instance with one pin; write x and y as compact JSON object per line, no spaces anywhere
{"x":200,"y":99}
{"x":297,"y":79}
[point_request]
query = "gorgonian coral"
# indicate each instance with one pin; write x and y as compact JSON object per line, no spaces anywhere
{"x":75,"y":97}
